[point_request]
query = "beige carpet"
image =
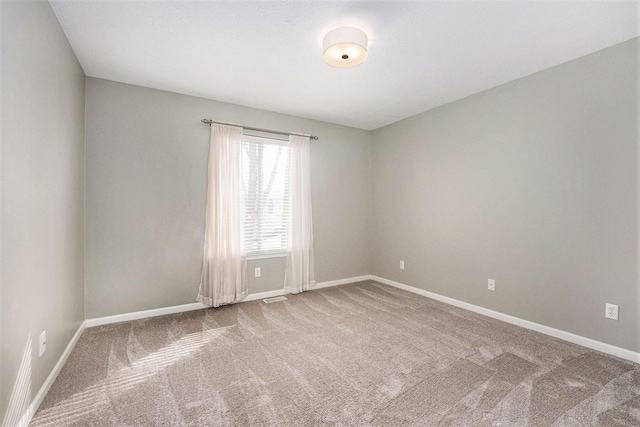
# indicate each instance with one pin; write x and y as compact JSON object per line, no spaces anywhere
{"x":359,"y":354}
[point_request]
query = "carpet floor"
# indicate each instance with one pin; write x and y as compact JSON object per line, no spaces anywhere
{"x":358,"y":354}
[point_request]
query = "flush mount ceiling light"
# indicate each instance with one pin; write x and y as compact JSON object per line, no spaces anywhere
{"x":345,"y":47}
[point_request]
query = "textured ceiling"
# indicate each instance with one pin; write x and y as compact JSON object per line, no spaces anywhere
{"x":268,"y":54}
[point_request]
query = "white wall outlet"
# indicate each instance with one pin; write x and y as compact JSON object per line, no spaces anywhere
{"x":258,"y":272}
{"x":401,"y":265}
{"x":611,"y":311}
{"x":43,"y":343}
{"x":491,"y":284}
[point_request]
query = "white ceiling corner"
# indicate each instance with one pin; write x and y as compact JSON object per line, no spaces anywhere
{"x":268,"y":54}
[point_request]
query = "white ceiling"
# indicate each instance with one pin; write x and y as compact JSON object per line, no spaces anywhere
{"x":268,"y":54}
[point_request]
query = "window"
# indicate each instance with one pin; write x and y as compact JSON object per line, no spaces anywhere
{"x":266,"y":211}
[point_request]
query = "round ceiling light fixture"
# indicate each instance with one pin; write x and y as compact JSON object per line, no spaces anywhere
{"x":345,"y":47}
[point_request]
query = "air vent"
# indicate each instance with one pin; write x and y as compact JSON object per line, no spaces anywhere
{"x":274,"y":299}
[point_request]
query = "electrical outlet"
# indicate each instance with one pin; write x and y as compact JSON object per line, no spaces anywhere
{"x":611,"y":311}
{"x":491,"y":284}
{"x":43,"y":343}
{"x":258,"y":272}
{"x":401,"y":265}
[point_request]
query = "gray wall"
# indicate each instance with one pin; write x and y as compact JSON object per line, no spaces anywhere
{"x":146,"y":154}
{"x":534,"y":184}
{"x":42,"y":199}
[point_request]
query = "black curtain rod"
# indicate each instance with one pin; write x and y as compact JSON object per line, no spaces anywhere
{"x":277,"y":132}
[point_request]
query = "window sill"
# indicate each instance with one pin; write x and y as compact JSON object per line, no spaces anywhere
{"x":267,"y":255}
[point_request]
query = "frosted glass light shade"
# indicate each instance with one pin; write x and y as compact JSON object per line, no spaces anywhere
{"x":345,"y":47}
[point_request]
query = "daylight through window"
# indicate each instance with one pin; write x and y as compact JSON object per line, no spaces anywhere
{"x":266,"y":212}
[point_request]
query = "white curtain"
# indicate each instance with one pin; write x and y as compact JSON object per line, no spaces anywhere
{"x":300,"y":275}
{"x":224,"y":279}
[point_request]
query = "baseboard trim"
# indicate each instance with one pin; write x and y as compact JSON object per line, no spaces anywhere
{"x":341,"y":282}
{"x":125,"y":317}
{"x":547,"y":330}
{"x":263,"y":295}
{"x":320,"y":285}
{"x":37,"y":400}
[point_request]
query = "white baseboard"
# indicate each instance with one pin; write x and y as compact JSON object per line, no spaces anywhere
{"x":341,"y":281}
{"x":117,"y":318}
{"x":320,"y":285}
{"x":37,"y":400}
{"x":547,"y":330}
{"x":125,"y":317}
{"x":263,"y":295}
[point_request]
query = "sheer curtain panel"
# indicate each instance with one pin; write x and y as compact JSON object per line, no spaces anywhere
{"x":224,"y":279}
{"x":300,"y":275}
